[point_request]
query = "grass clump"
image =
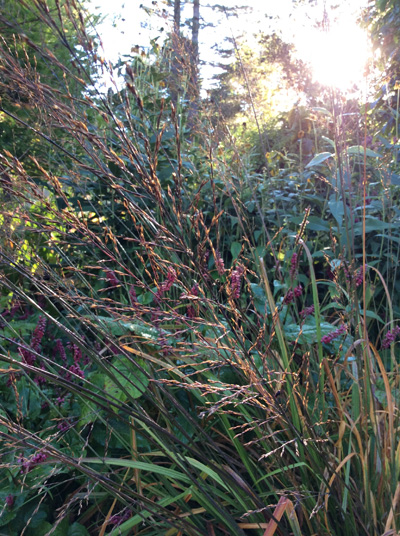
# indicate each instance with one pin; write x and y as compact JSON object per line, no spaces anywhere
{"x":185,"y":349}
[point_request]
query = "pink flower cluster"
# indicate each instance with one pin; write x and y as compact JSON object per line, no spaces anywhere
{"x":132,"y":295}
{"x":236,"y":281}
{"x":27,"y":356}
{"x":190,"y":312}
{"x":40,"y":380}
{"x":59,"y":348}
{"x":334,"y":334}
{"x":219,"y":263}
{"x":307,"y":311}
{"x":76,"y":369}
{"x":194,"y":291}
{"x":15,"y":307}
{"x":112,"y":278}
{"x":38,"y":333}
{"x":117,"y":519}
{"x":28,"y":465}
{"x":292,"y":294}
{"x":77,"y":356}
{"x":360,"y":275}
{"x":76,"y":352}
{"x":167,"y":284}
{"x":64,"y":425}
{"x":346,"y":272}
{"x":390,"y":337}
{"x":293,"y":266}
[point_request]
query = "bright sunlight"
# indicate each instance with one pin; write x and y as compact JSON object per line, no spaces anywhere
{"x":338,"y":56}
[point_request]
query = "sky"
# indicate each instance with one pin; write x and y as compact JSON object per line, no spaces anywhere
{"x":337,"y":56}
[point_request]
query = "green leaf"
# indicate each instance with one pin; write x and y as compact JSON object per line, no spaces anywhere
{"x":371,"y":224}
{"x":260,"y":300}
{"x":118,"y":328}
{"x":314,"y":223}
{"x":76,"y":529}
{"x":235,"y":249}
{"x":172,"y":474}
{"x":359,"y":149}
{"x":318,"y":159}
{"x":43,"y":529}
{"x":371,"y":314}
{"x":125,"y":527}
{"x":322,"y":110}
{"x":88,"y":413}
{"x":395,"y":179}
{"x":205,"y":469}
{"x":317,"y":224}
{"x":337,"y":209}
{"x":126,"y":382}
{"x":308,"y":334}
{"x":328,"y":140}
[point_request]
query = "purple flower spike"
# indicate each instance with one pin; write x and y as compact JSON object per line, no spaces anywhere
{"x":132,"y":295}
{"x":167,"y":284}
{"x":307,"y":311}
{"x":293,"y":266}
{"x":390,"y":337}
{"x":334,"y":334}
{"x":28,"y":465}
{"x":59,"y":348}
{"x":236,"y":281}
{"x":117,"y":519}
{"x":298,"y":291}
{"x":360,"y":275}
{"x":112,"y":278}
{"x":289,"y":298}
{"x":219,"y":263}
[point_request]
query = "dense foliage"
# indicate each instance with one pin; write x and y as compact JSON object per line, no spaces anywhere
{"x":196,"y":337}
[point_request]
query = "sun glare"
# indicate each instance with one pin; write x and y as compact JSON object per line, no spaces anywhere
{"x":338,"y":57}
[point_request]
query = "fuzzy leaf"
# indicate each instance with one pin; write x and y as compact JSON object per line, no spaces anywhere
{"x":359,"y":149}
{"x":318,"y":159}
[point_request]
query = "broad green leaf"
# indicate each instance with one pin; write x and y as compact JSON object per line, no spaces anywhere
{"x":88,"y":413}
{"x":371,"y":314}
{"x":391,"y":238}
{"x":308,"y":332}
{"x":359,"y":149}
{"x":260,"y":300}
{"x":317,"y":224}
{"x":371,"y":225}
{"x":43,"y":529}
{"x":76,"y":529}
{"x":318,"y":159}
{"x":395,"y":179}
{"x":118,"y":328}
{"x":331,"y":305}
{"x":337,"y":209}
{"x":322,"y":110}
{"x":133,"y":381}
{"x":328,"y":140}
{"x":235,"y":249}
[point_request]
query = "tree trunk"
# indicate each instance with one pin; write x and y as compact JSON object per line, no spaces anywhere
{"x":177,"y":17}
{"x":195,"y":30}
{"x":194,"y":90}
{"x":174,"y":76}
